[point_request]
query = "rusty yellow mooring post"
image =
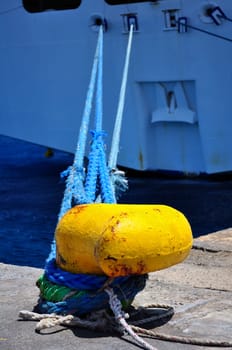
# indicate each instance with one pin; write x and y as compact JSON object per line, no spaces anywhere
{"x":121,"y":239}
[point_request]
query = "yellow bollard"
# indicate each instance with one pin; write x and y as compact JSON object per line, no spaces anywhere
{"x":121,"y":239}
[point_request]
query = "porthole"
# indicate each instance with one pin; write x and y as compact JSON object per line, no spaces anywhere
{"x":205,"y":12}
{"x":96,"y":21}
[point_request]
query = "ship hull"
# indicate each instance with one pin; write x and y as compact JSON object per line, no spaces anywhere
{"x":178,"y":97}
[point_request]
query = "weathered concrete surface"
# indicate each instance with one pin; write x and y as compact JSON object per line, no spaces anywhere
{"x":217,"y":241}
{"x":200,"y":290}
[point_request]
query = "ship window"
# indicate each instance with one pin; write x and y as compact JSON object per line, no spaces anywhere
{"x":117,"y":2}
{"x":43,"y":5}
{"x":128,"y":20}
{"x":170,"y":19}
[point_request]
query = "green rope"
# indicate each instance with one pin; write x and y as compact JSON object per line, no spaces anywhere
{"x":54,"y":292}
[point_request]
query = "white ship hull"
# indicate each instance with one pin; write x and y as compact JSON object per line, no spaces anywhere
{"x":177,"y":113}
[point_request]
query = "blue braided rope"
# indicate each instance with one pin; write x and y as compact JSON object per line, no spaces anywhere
{"x":82,"y":188}
{"x":78,"y":190}
{"x":72,"y":280}
{"x":80,"y":149}
{"x":80,"y":281}
{"x":92,"y":174}
{"x":75,"y":174}
{"x":126,"y":289}
{"x":94,"y":298}
{"x":99,"y":99}
{"x":74,"y":189}
{"x":97,"y":135}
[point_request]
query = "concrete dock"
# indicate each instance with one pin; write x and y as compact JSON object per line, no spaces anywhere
{"x":199,"y":289}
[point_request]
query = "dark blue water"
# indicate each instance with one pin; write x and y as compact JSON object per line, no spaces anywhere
{"x":31,"y":192}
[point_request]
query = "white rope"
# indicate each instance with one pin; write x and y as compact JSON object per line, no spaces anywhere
{"x":118,"y":121}
{"x":98,"y":321}
{"x":119,"y":314}
{"x":102,"y":321}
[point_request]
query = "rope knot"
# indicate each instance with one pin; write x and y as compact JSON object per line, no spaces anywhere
{"x":98,"y":135}
{"x":115,"y":304}
{"x":72,"y":169}
{"x":65,"y":173}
